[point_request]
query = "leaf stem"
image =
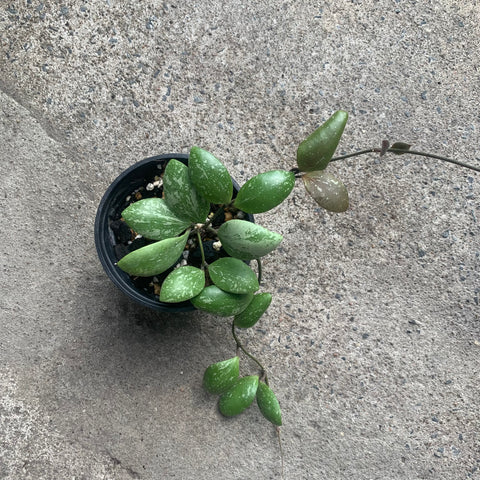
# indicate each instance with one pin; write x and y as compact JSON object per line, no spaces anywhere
{"x":405,"y":152}
{"x":259,"y":274}
{"x":249,"y":355}
{"x":202,"y":252}
{"x":277,"y":429}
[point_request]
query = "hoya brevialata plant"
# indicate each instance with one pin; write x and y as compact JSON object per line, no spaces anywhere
{"x":183,"y":220}
{"x":197,"y":208}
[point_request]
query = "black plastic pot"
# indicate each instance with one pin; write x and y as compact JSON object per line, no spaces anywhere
{"x":109,"y":211}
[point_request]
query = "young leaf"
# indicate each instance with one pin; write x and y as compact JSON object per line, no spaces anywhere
{"x":268,"y":404}
{"x":405,"y":147}
{"x":152,"y":218}
{"x":232,"y":275}
{"x":239,"y":396}
{"x":316,"y":151}
{"x":247,"y":240}
{"x":385,"y":145}
{"x":256,"y":308}
{"x":327,"y":190}
{"x":220,"y":376}
{"x":180,"y":194}
{"x":212,"y":299}
{"x":155,"y":258}
{"x":182,"y":284}
{"x":210,"y":177}
{"x":265,"y":191}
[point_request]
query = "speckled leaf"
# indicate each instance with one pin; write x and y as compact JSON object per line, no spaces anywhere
{"x":327,"y":190}
{"x":247,"y":240}
{"x":220,"y":376}
{"x":153,"y":219}
{"x":232,"y":275}
{"x":155,"y":258}
{"x":316,"y":151}
{"x":265,"y":191}
{"x":239,"y":396}
{"x":210,"y":177}
{"x":214,"y":300}
{"x":180,"y":194}
{"x":182,"y":284}
{"x":256,"y":308}
{"x":268,"y":404}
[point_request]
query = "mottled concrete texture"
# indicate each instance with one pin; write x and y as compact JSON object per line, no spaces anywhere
{"x":373,"y":338}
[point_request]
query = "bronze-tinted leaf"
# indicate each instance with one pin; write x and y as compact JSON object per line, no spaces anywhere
{"x":327,"y":190}
{"x":402,"y":146}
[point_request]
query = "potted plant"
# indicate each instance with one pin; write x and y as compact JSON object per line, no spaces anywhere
{"x":180,"y":234}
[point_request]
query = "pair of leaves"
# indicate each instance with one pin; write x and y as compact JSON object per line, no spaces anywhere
{"x":246,"y":308}
{"x":188,"y":194}
{"x":259,"y":194}
{"x":313,"y":156}
{"x":237,"y":394}
{"x":233,"y":280}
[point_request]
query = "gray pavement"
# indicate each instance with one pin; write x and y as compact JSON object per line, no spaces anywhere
{"x":372,"y":341}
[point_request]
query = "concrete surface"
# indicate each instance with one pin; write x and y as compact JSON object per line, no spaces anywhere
{"x":373,"y":339}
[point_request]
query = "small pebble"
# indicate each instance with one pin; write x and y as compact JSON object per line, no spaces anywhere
{"x":150,"y":187}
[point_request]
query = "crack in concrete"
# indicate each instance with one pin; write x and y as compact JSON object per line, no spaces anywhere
{"x":118,"y":463}
{"x":45,"y":125}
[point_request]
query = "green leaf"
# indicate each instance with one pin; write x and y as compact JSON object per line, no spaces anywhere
{"x":232,"y":275}
{"x":155,"y":258}
{"x":214,"y":300}
{"x":327,"y":190}
{"x":405,"y":147}
{"x":180,"y":194}
{"x":210,"y":177}
{"x":182,"y":284}
{"x":239,"y":396}
{"x":268,"y":404}
{"x":152,"y":218}
{"x":256,"y":308}
{"x":247,"y":240}
{"x":316,"y":151}
{"x":220,"y":376}
{"x":265,"y":191}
